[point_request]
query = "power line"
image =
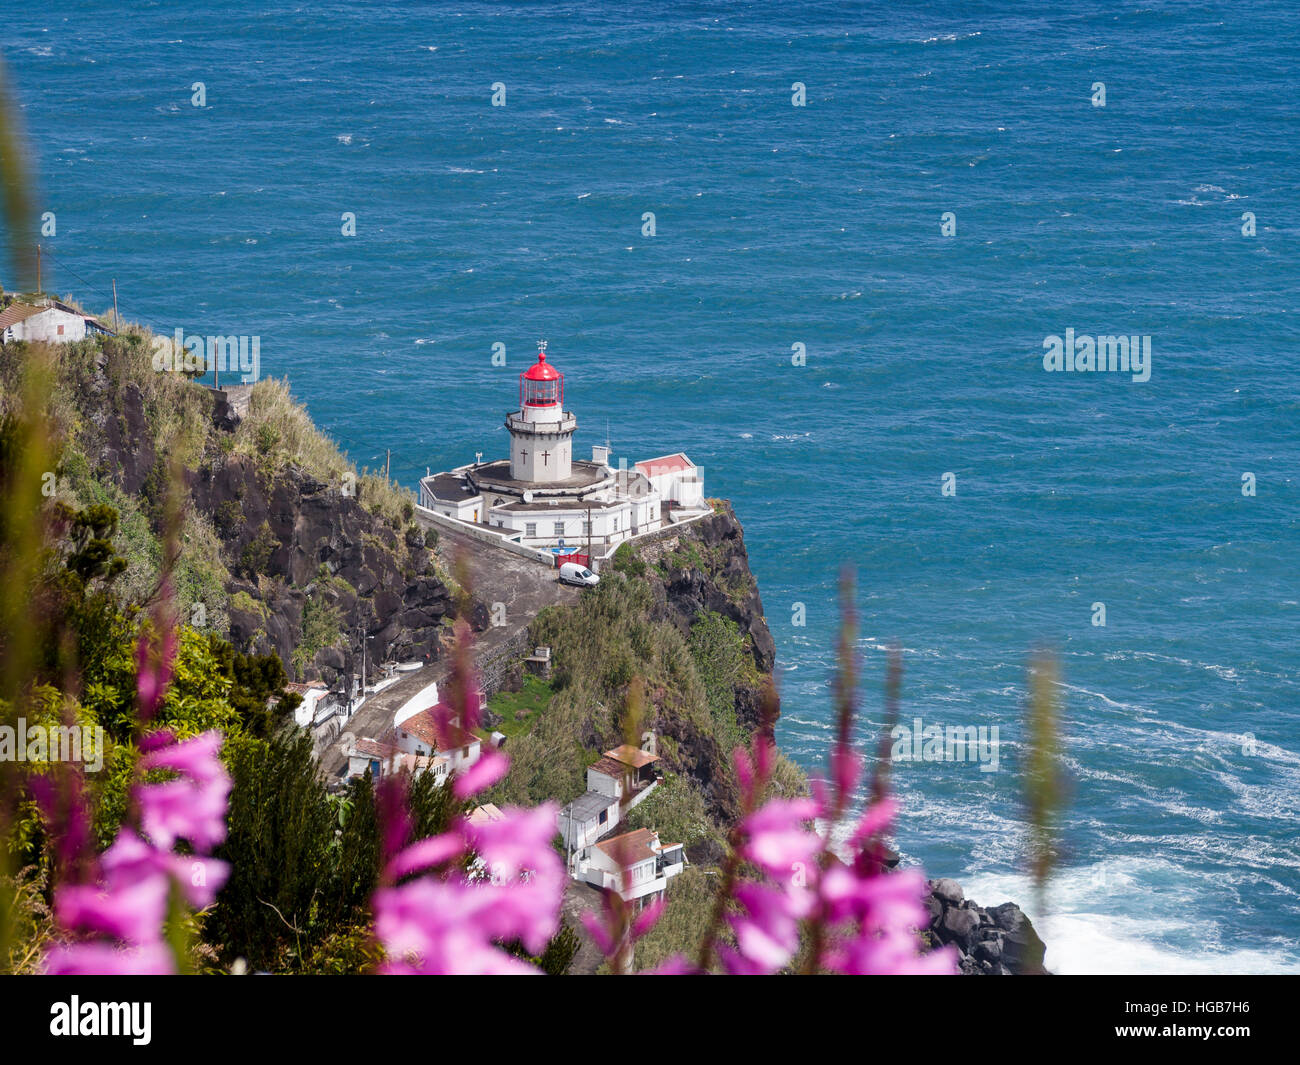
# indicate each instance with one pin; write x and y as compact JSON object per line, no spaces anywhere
{"x":46,"y":253}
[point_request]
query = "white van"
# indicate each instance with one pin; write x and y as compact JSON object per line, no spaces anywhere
{"x":572,"y":573}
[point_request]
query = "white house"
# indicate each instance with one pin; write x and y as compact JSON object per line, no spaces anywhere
{"x":418,"y":735}
{"x":616,"y":782}
{"x":383,"y":759}
{"x":544,"y":498}
{"x":624,"y":771}
{"x":412,"y":743}
{"x":635,"y":865}
{"x":50,"y":321}
{"x":586,"y":819}
{"x":676,"y":478}
{"x":311,"y":694}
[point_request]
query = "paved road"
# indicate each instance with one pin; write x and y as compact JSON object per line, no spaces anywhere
{"x":494,"y":576}
{"x":580,"y":898}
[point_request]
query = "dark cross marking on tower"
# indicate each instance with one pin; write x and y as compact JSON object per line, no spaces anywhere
{"x":545,"y":456}
{"x":523,"y":455}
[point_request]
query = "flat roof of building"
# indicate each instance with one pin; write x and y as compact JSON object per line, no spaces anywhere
{"x":564,"y":504}
{"x":590,"y":805}
{"x":449,"y":487}
{"x":489,"y":474}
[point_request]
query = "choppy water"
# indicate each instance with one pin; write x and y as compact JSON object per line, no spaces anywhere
{"x":819,"y":225}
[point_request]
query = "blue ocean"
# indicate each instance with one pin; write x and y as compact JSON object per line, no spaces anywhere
{"x":866,"y":224}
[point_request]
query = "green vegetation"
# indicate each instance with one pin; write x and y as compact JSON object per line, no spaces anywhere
{"x":677,"y":811}
{"x":303,"y":864}
{"x":684,"y":921}
{"x":520,"y":710}
{"x":320,"y":629}
{"x":724,"y":664}
{"x":626,"y":560}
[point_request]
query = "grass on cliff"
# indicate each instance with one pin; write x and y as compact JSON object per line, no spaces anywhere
{"x":278,"y":431}
{"x":520,"y":710}
{"x":600,"y":647}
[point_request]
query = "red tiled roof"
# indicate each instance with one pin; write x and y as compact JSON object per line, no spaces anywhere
{"x":631,"y":847}
{"x":633,"y":756}
{"x":372,"y":748}
{"x":422,"y":726}
{"x":609,"y":767}
{"x":18,"y":312}
{"x":485,"y":814}
{"x":675,"y":463}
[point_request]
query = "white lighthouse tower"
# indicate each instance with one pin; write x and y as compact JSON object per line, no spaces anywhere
{"x":541,"y":430}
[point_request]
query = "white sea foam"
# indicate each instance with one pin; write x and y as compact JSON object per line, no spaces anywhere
{"x":1098,"y":921}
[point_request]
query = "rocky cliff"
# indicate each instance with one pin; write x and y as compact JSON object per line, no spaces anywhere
{"x":287,"y":547}
{"x":997,"y":941}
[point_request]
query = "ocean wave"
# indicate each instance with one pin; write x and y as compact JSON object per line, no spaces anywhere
{"x":1090,"y":927}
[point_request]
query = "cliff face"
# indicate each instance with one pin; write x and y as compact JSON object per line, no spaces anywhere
{"x":699,"y":570}
{"x":322,"y":544}
{"x":677,"y":617}
{"x":286,"y":548}
{"x":715,"y":577}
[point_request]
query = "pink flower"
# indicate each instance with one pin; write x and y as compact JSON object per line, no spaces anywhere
{"x":490,"y":768}
{"x":154,"y":658}
{"x":767,"y":933}
{"x":125,"y":909}
{"x":777,"y":838}
{"x":104,"y":959}
{"x":454,"y":923}
{"x":192,"y":807}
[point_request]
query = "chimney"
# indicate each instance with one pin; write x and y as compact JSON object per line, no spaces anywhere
{"x":600,"y":454}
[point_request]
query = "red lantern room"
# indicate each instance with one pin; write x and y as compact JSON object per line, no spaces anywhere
{"x":541,"y":385}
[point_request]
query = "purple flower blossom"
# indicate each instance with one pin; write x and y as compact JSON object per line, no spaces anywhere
{"x":454,"y":923}
{"x":117,"y":921}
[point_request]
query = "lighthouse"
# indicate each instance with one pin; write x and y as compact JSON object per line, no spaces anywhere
{"x":541,"y":430}
{"x":544,"y":503}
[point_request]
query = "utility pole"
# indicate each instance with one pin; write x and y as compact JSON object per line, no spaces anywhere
{"x":117,"y":322}
{"x":38,"y":269}
{"x":388,"y":464}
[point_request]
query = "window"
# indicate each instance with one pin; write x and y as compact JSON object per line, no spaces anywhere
{"x":530,"y":528}
{"x":616,"y":523}
{"x":586,"y":528}
{"x":60,"y":330}
{"x":604,"y":816}
{"x":559,"y":528}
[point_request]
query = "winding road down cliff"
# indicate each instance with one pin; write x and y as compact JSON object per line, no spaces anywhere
{"x":494,"y":576}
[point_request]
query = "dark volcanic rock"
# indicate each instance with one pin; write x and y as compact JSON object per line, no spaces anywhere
{"x":958,"y":926}
{"x":999,"y":940}
{"x":948,"y":891}
{"x":1022,"y":949}
{"x":128,"y":449}
{"x":279,"y":531}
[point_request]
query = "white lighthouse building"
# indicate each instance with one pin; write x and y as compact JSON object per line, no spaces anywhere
{"x":544,"y":498}
{"x":541,"y":430}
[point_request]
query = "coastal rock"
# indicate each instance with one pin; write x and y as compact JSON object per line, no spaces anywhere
{"x":1023,"y":951}
{"x":947,"y":891}
{"x":958,"y":926}
{"x":993,"y":941}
